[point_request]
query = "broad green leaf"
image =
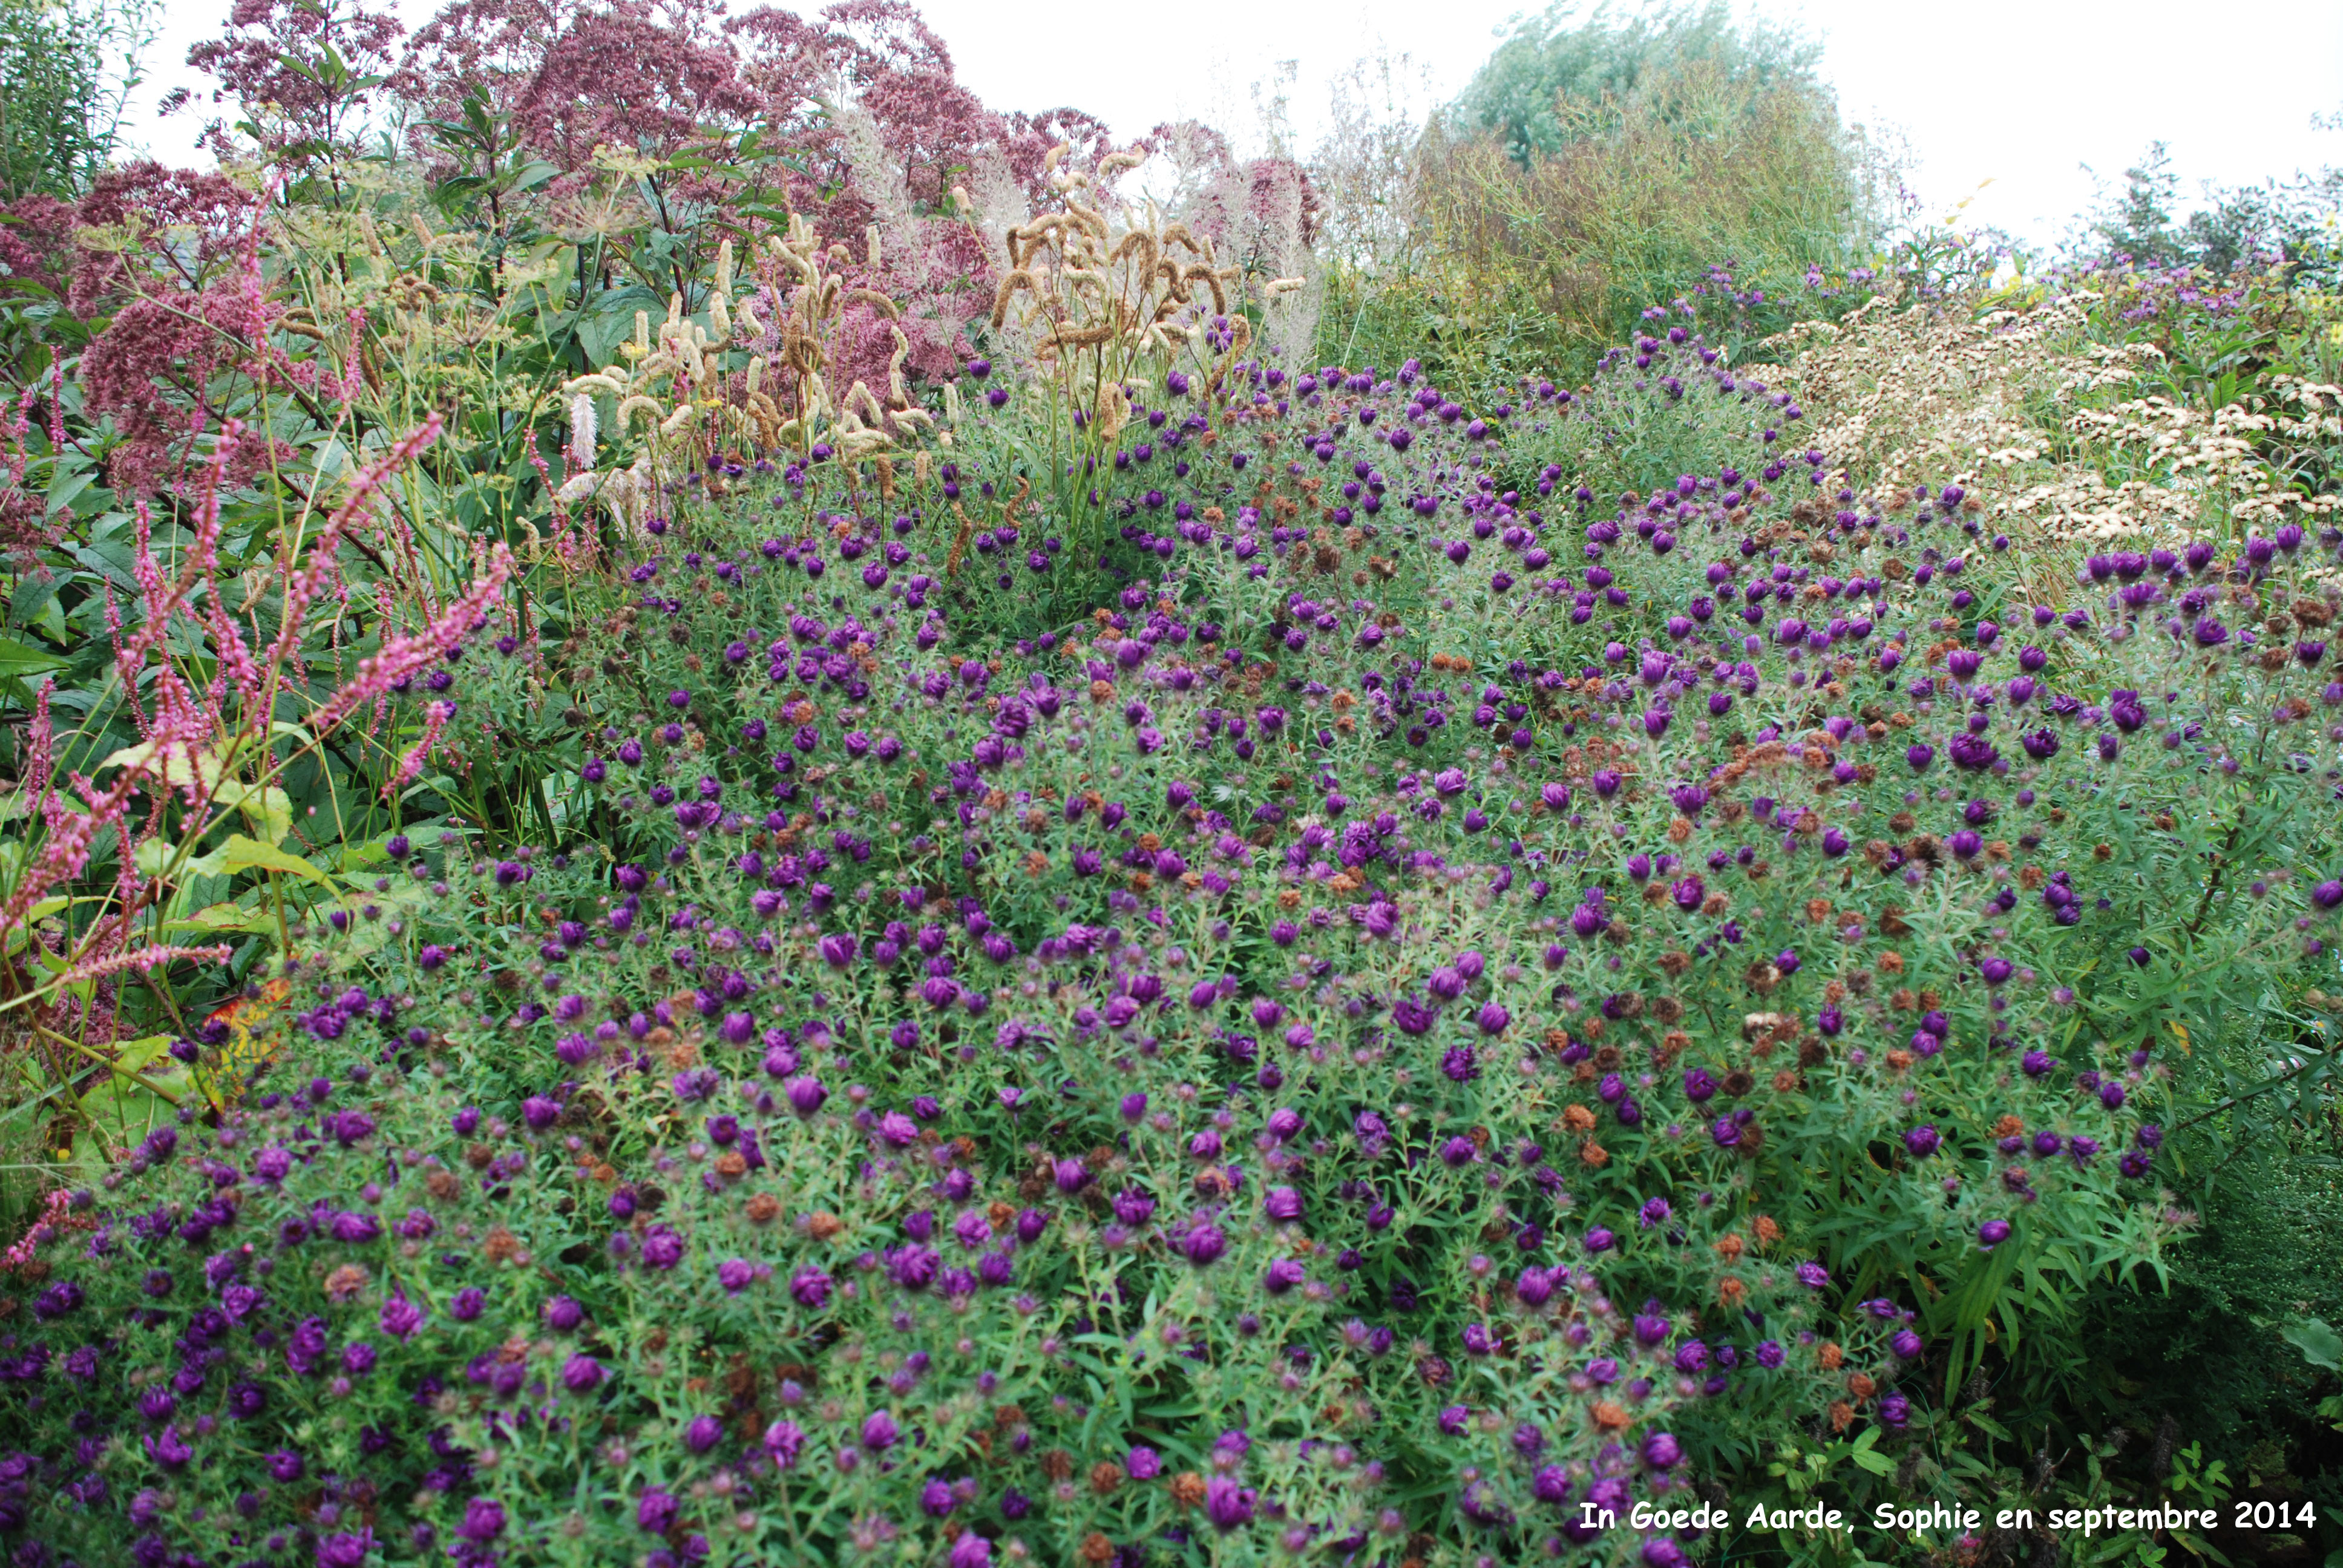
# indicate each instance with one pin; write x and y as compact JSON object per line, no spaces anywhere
{"x":136,"y":1055}
{"x":154,"y":857}
{"x":265,"y":807}
{"x":178,"y":766}
{"x":121,"y":1109}
{"x":17,"y":659}
{"x":223,"y":918}
{"x":2319,"y":1344}
{"x":243,"y":854}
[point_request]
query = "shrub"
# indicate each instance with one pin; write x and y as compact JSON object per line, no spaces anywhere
{"x":66,"y":70}
{"x":1646,"y":196}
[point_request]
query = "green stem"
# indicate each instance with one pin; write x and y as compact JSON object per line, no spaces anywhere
{"x":111,"y":1065}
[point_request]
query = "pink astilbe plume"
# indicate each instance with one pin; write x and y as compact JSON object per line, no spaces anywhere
{"x":69,"y":833}
{"x":54,"y":1210}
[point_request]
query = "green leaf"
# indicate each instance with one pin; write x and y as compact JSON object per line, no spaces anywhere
{"x":243,"y":854}
{"x":223,"y":918}
{"x":17,"y":659}
{"x":136,"y":1055}
{"x":2319,"y":1344}
{"x":265,"y":807}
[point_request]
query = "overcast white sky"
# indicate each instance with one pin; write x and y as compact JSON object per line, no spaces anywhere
{"x":2023,"y":100}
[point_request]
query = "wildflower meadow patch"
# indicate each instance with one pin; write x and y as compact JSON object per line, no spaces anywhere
{"x":704,"y":872}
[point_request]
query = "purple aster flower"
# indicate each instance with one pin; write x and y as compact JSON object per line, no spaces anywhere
{"x":484,"y":1520}
{"x":1202,"y":1243}
{"x":784,"y":1441}
{"x":656,"y":1512}
{"x":1228,"y":1505}
{"x":343,"y":1550}
{"x":810,"y":1287}
{"x":400,"y":1317}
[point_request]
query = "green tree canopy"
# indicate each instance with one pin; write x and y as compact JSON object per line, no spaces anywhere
{"x":1573,"y":55}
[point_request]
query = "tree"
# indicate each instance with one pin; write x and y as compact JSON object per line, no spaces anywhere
{"x":1524,"y":96}
{"x":66,"y":66}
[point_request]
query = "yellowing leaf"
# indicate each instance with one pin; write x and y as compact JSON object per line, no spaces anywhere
{"x":2182,"y":1030}
{"x":227,"y":1068}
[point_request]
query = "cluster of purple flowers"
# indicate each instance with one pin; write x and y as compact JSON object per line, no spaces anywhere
{"x":1392,"y":942}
